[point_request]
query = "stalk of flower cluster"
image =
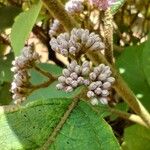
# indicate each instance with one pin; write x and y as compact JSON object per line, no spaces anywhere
{"x":120,"y":85}
{"x":108,"y":35}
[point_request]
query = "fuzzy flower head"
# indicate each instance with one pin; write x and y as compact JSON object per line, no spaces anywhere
{"x":74,"y":6}
{"x":76,"y":42}
{"x":21,"y":64}
{"x":102,"y":4}
{"x":73,"y":76}
{"x":98,"y":80}
{"x":100,"y":84}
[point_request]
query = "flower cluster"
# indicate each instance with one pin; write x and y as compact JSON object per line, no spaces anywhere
{"x":102,"y":4}
{"x":73,"y":76}
{"x":98,"y":81}
{"x":20,"y":85}
{"x":78,"y":41}
{"x":100,"y":84}
{"x":74,"y":6}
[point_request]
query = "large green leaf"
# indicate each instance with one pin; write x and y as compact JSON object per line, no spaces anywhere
{"x":136,"y":137}
{"x":146,"y":60}
{"x":130,"y":64}
{"x":23,"y":26}
{"x":30,"y":126}
{"x":7,"y":15}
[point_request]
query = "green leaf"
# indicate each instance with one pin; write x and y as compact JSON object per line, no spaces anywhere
{"x":23,"y":26}
{"x":85,"y":130}
{"x":146,"y":60}
{"x":5,"y":65}
{"x":7,"y":15}
{"x":5,"y":95}
{"x":116,"y":5}
{"x":30,"y":126}
{"x":136,"y":137}
{"x":130,"y":64}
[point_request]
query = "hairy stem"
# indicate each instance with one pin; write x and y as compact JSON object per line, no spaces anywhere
{"x":57,"y":10}
{"x":131,"y":117}
{"x":108,"y":35}
{"x":44,"y":73}
{"x":42,"y":85}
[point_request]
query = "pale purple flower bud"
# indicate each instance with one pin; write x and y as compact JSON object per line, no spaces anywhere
{"x":111,"y":79}
{"x":68,"y":80}
{"x":68,"y":89}
{"x":72,"y":50}
{"x":93,"y":76}
{"x":86,"y":82}
{"x":92,"y":86}
{"x":14,"y":69}
{"x":77,"y":69}
{"x":97,"y":71}
{"x":60,"y":86}
{"x":102,"y":77}
{"x":80,"y":80}
{"x":74,"y":6}
{"x":61,"y":79}
{"x":103,"y":100}
{"x":105,"y":93}
{"x":90,"y":94}
{"x":64,"y":52}
{"x":86,"y":64}
{"x":98,"y":83}
{"x":85,"y":71}
{"x":74,"y":84}
{"x":72,"y":65}
{"x":97,"y":91}
{"x":66,"y":72}
{"x":106,"y":85}
{"x":74,"y":75}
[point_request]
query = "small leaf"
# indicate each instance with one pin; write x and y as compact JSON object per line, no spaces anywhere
{"x":30,"y":126}
{"x":136,"y":137}
{"x":7,"y":15}
{"x":23,"y":26}
{"x":116,"y":5}
{"x":130,"y":65}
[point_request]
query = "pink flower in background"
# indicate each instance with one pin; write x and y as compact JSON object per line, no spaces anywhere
{"x":102,"y":4}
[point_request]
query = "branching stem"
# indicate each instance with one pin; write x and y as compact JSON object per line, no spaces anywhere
{"x":44,"y":73}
